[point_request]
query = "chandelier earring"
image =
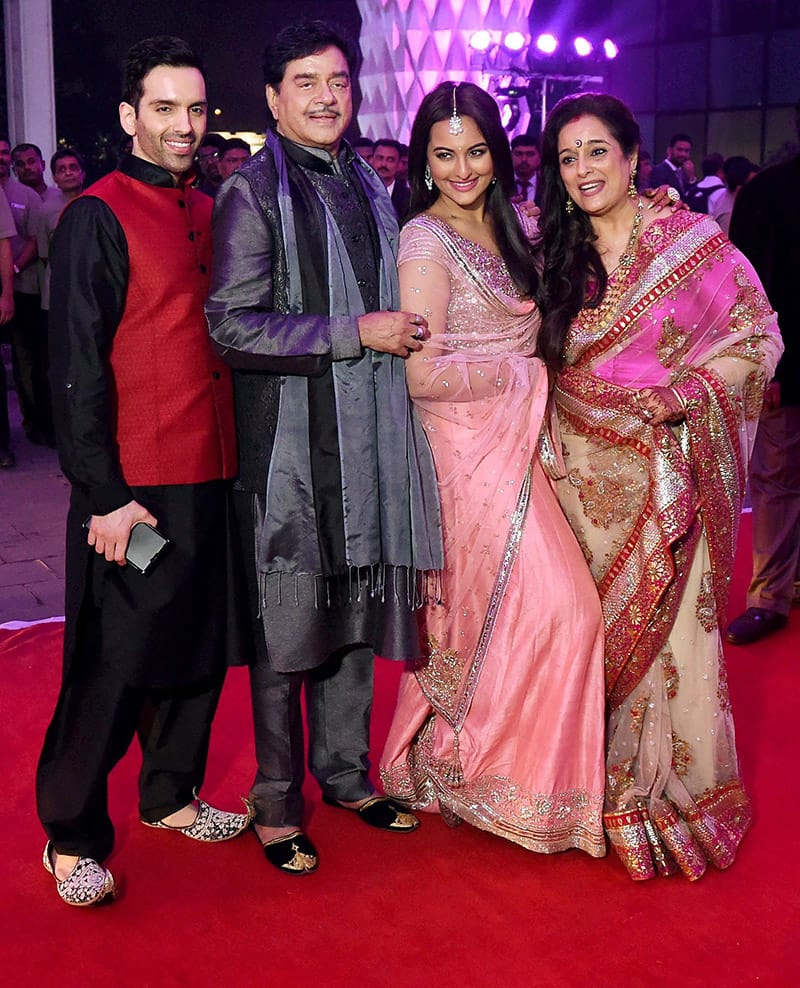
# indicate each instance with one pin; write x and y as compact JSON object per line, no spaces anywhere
{"x":569,"y":206}
{"x":632,"y":190}
{"x":427,"y":178}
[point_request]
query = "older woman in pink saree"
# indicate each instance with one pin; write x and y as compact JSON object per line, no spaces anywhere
{"x":669,"y":342}
{"x":501,"y":722}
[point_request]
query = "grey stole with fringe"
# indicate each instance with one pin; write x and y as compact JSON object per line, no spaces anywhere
{"x":389,"y":492}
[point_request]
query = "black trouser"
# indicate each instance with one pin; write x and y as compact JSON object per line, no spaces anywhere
{"x":93,"y":725}
{"x":30,"y":363}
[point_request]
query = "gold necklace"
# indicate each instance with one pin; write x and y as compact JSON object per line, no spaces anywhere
{"x":594,"y":318}
{"x":628,"y":256}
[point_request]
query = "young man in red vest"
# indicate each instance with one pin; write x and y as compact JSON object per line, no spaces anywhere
{"x":145,"y":434}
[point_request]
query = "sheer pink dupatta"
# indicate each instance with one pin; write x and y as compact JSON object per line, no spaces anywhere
{"x":485,"y":385}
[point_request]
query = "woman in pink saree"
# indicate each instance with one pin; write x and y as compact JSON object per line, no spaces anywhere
{"x":501,"y":723}
{"x":669,"y":343}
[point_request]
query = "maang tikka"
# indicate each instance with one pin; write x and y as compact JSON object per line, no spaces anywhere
{"x":455,"y":127}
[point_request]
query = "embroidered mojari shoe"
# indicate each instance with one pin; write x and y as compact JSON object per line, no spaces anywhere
{"x":210,"y":825}
{"x":382,"y":813}
{"x":293,"y":854}
{"x":88,"y":884}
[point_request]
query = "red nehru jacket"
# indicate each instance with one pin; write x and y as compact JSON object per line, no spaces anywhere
{"x":174,"y":396}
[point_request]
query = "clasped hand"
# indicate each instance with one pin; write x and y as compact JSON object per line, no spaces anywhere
{"x":399,"y":333}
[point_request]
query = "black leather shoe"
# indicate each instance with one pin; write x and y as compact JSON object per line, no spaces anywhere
{"x":382,"y":813}
{"x":756,"y":623}
{"x":293,"y":854}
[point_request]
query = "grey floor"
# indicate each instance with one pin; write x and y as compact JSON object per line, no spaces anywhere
{"x":33,"y":506}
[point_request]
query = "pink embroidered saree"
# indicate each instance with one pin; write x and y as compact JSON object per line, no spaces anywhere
{"x":501,"y":723}
{"x":656,"y":510}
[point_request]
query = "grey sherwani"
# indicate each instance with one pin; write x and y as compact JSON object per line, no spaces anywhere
{"x":337,"y":490}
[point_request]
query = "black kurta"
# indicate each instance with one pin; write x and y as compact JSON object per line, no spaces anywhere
{"x":178,"y":625}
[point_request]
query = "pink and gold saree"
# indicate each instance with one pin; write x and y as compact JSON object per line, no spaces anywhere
{"x":656,"y":510}
{"x":501,"y":722}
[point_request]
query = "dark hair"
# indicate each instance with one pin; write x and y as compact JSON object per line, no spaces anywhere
{"x":471,"y":101}
{"x":27,"y":147}
{"x":525,"y":141}
{"x":712,"y":164}
{"x":233,"y":144}
{"x":388,"y":142}
{"x":147,"y":55}
{"x":572,"y":262}
{"x":212,"y":140}
{"x":737,"y":170}
{"x":66,"y":153}
{"x":644,"y":156}
{"x":680,"y":137}
{"x":362,"y":142}
{"x":299,"y":41}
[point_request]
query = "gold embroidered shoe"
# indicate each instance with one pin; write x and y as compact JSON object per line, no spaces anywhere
{"x":382,"y":813}
{"x":88,"y":884}
{"x":293,"y":854}
{"x":210,"y":825}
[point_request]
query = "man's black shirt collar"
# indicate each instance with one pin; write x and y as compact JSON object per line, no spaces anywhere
{"x":321,"y":162}
{"x":145,"y":171}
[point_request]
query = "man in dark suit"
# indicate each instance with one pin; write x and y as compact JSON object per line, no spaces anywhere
{"x":671,"y":171}
{"x":764,"y":225}
{"x":386,"y":162}
{"x":526,"y":158}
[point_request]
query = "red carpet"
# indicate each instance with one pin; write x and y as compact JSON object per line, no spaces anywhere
{"x":438,"y":907}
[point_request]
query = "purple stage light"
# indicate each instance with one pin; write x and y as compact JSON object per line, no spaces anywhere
{"x":610,"y":49}
{"x":481,"y":41}
{"x":547,"y":43}
{"x":583,"y":46}
{"x":514,"y":41}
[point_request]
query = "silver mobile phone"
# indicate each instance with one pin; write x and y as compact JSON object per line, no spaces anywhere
{"x":145,"y":546}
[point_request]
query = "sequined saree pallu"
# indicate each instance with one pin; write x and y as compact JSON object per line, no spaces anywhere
{"x":501,"y":723}
{"x":655,"y":509}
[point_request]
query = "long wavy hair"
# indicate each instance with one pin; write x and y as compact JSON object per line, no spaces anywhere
{"x":573,"y":275}
{"x":515,"y":248}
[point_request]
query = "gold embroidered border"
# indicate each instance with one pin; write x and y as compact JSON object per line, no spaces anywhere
{"x":667,"y":284}
{"x":542,"y":822}
{"x":710,"y":831}
{"x":715,"y":430}
{"x":456,"y":712}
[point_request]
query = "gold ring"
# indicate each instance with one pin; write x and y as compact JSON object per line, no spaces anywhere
{"x":673,"y":195}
